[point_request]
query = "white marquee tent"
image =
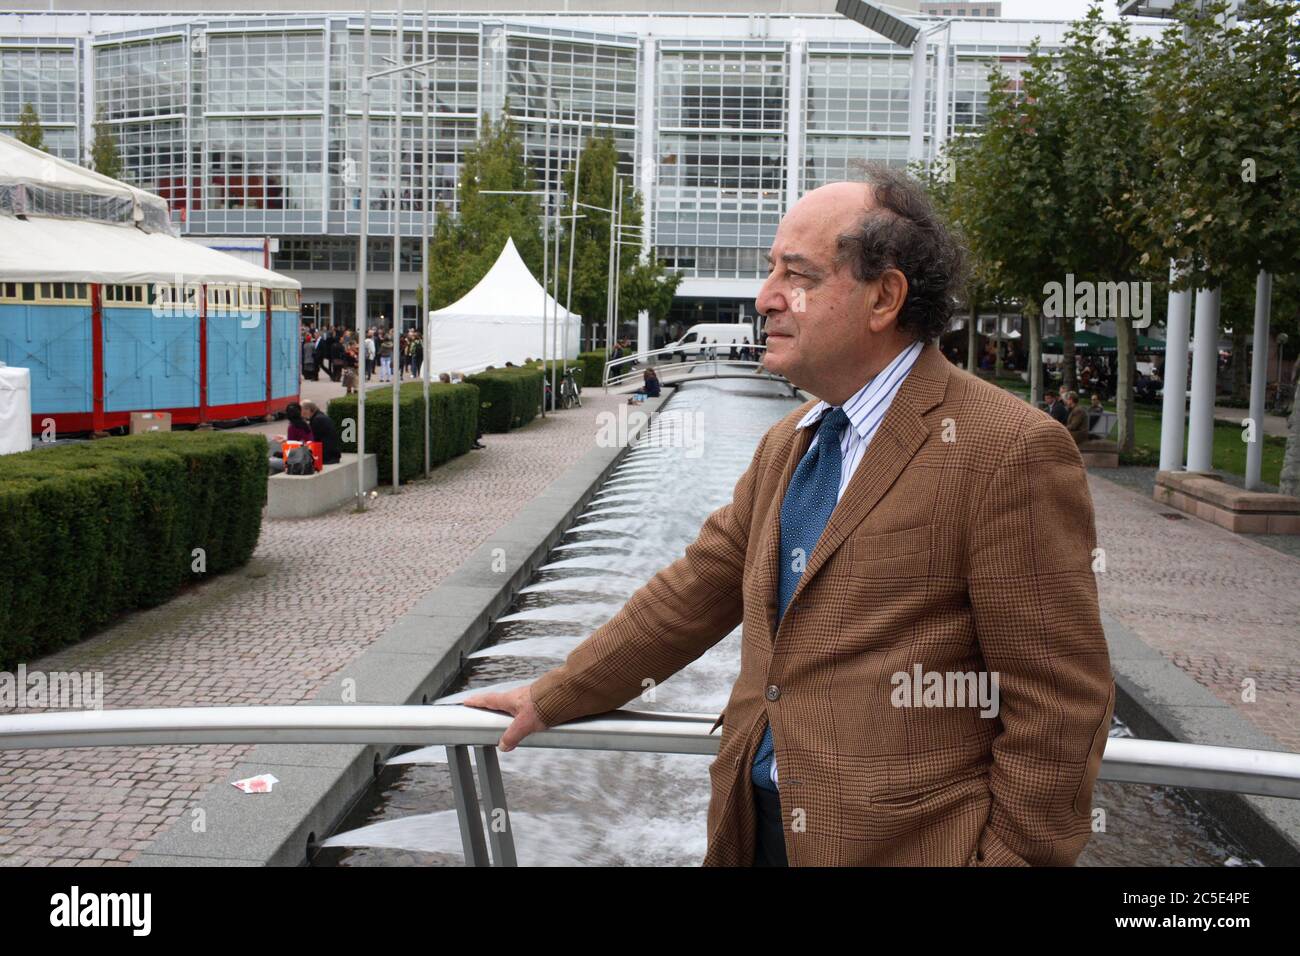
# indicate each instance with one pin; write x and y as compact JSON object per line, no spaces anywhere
{"x":499,"y":320}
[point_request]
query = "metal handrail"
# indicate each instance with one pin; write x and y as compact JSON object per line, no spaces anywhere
{"x":1126,"y":760}
{"x":1129,"y":760}
{"x":612,"y":378}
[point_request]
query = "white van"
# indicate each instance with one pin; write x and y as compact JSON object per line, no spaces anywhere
{"x":723,"y":335}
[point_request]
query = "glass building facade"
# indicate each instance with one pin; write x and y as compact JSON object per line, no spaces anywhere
{"x":251,"y":127}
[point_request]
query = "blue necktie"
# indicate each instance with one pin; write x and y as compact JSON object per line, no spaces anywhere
{"x":809,"y":500}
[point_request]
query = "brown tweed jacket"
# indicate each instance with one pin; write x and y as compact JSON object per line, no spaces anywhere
{"x":963,"y":544}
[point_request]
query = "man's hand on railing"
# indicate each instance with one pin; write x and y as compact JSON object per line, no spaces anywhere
{"x":519,"y":704}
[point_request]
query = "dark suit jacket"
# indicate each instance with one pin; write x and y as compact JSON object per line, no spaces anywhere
{"x":323,"y":431}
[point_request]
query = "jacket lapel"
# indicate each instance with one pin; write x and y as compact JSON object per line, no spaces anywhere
{"x":898,"y":438}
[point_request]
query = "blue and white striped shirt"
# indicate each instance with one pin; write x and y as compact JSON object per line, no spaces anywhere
{"x":866,"y":409}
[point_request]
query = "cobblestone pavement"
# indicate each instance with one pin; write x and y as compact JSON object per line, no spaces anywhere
{"x":1223,"y":607}
{"x":316,"y":593}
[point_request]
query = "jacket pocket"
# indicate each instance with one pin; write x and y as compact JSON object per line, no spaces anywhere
{"x":919,"y":795}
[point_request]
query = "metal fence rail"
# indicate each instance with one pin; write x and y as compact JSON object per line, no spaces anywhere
{"x":1127,"y":760}
{"x":627,"y":370}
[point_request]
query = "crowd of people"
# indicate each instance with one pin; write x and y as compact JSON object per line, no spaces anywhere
{"x":336,"y":352}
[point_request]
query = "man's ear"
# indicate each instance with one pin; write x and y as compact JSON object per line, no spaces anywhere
{"x":885,"y":298}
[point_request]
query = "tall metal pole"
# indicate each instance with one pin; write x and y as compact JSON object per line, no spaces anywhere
{"x":424,"y":245}
{"x":546,"y":231}
{"x":362,"y":241}
{"x":573,"y":238}
{"x":618,"y":252}
{"x":555,"y":295}
{"x":399,"y":55}
{"x":609,"y":279}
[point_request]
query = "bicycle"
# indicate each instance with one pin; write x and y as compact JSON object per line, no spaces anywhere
{"x":569,"y":389}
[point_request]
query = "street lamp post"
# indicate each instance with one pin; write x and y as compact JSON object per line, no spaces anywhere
{"x":429,"y":88}
{"x":367,"y":86}
{"x":362,"y":243}
{"x":399,"y":55}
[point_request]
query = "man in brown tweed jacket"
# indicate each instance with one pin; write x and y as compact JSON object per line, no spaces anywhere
{"x":958,"y":554}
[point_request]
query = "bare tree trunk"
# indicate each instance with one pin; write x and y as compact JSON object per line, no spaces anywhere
{"x":1068,"y":381}
{"x":997,"y":346}
{"x":1289,"y":482}
{"x":972,"y":337}
{"x":1126,"y":375}
{"x":1240,"y":363}
{"x":1033,"y":321}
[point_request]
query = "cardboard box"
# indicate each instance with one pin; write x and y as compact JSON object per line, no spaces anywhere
{"x":142,"y":422}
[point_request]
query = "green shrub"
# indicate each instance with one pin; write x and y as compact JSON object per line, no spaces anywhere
{"x":593,"y":368}
{"x":453,"y":425}
{"x":508,"y":397}
{"x":109,"y":526}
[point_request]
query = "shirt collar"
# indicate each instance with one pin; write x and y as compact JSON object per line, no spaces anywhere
{"x":867,"y":405}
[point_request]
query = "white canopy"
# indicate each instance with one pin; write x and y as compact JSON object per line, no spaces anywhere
{"x":36,"y":183}
{"x":501,"y":319}
{"x":72,"y":250}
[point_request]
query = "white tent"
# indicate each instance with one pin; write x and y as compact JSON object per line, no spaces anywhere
{"x":60,"y":222}
{"x":81,"y":250}
{"x":500,"y":320}
{"x":35,"y":183}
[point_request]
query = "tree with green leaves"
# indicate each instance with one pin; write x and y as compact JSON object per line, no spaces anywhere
{"x":1100,"y":73}
{"x":30,"y":130}
{"x":463,"y":248}
{"x":105,"y":157}
{"x":644,"y":283}
{"x":1222,"y":96}
{"x":1008,"y":193}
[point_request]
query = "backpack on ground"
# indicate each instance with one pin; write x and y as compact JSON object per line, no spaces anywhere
{"x":299,"y":461}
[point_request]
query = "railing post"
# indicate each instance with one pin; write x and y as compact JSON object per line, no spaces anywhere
{"x":494,"y":800}
{"x":467,"y":806}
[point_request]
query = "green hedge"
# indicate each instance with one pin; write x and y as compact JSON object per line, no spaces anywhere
{"x":453,"y":425}
{"x":508,"y":397}
{"x":593,"y":368}
{"x":94,"y":529}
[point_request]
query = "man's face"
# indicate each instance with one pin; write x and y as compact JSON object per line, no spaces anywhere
{"x":816,"y":314}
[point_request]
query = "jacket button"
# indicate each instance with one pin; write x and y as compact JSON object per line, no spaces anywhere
{"x":773,"y":692}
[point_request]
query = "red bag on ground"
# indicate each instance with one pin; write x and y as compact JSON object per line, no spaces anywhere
{"x":317,"y":452}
